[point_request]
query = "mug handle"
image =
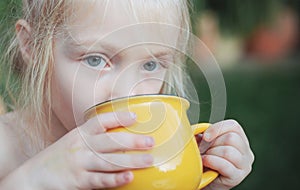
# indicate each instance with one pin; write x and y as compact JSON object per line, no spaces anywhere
{"x":209,"y":175}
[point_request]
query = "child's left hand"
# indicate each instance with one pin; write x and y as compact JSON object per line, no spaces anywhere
{"x":225,"y":148}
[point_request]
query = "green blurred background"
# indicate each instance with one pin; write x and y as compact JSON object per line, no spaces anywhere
{"x":256,"y":43}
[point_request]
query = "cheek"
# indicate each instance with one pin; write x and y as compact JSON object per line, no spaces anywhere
{"x":83,"y":92}
{"x":151,"y":84}
{"x":72,"y":92}
{"x":61,"y":99}
{"x":155,"y":86}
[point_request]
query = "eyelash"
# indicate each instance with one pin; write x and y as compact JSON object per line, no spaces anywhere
{"x":159,"y":64}
{"x":108,"y":65}
{"x":104,"y":62}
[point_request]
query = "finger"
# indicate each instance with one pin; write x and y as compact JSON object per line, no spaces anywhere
{"x":235,"y":140}
{"x":94,"y":180}
{"x":221,"y":183}
{"x":106,"y":121}
{"x":220,"y":128}
{"x":117,"y":162}
{"x":217,"y":184}
{"x":121,"y":141}
{"x":231,"y":139}
{"x":204,"y":146}
{"x":228,"y":153}
{"x":229,"y":173}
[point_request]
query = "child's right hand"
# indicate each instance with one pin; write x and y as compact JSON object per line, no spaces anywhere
{"x":89,"y":158}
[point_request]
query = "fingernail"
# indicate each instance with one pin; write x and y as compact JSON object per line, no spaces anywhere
{"x":133,"y":115}
{"x":148,"y":159}
{"x":207,"y":136}
{"x":149,"y":141}
{"x":127,"y":176}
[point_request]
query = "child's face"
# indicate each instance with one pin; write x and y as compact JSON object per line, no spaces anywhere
{"x":102,"y":58}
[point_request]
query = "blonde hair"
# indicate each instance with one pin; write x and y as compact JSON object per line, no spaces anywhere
{"x":48,"y":18}
{"x":2,"y":106}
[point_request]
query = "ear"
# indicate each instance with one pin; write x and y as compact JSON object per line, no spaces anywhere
{"x":23,"y":30}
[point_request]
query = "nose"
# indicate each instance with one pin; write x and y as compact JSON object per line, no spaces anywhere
{"x":130,"y":83}
{"x":127,"y":84}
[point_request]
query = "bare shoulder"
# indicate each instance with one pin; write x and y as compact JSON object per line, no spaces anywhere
{"x":8,"y":146}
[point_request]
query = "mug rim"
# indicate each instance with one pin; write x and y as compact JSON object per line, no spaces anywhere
{"x":119,"y":99}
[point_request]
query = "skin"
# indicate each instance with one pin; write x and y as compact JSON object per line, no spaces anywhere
{"x":82,"y":78}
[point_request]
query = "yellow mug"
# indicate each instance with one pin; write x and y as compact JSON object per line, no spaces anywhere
{"x":177,"y":161}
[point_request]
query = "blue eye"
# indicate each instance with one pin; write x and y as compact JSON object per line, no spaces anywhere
{"x":150,"y":66}
{"x":96,"y":62}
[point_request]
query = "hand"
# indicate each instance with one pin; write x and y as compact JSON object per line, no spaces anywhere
{"x":88,"y":158}
{"x":225,"y":148}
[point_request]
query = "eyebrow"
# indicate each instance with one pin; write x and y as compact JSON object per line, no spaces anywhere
{"x":113,"y":50}
{"x":91,"y":45}
{"x":160,"y":54}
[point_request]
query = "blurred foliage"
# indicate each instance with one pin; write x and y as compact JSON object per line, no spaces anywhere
{"x":10,"y":11}
{"x":240,"y":17}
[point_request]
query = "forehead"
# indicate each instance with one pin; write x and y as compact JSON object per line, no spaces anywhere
{"x":125,"y":22}
{"x":130,"y":11}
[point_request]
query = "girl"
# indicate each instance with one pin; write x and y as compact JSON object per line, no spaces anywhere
{"x":71,"y":54}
